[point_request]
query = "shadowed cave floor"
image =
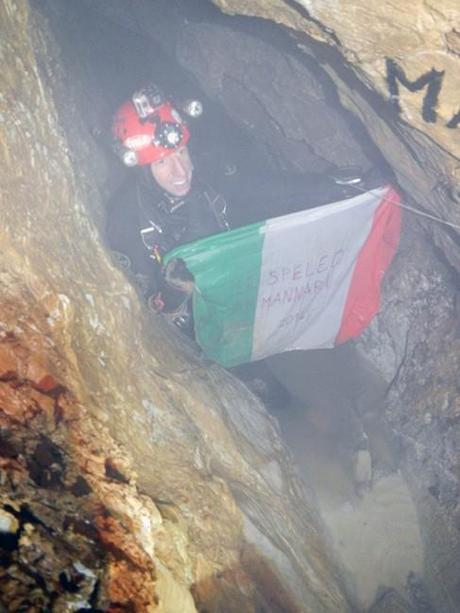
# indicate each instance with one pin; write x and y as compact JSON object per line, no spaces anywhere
{"x":331,"y":420}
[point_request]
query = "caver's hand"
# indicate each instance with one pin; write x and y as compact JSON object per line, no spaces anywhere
{"x":177,"y":276}
{"x":156,"y":303}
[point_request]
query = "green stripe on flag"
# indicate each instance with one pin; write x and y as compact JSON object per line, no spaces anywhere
{"x":226,"y":268}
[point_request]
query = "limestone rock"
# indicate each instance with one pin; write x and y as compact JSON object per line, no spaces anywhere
{"x":413,"y":343}
{"x":400,"y":77}
{"x":397,"y":68}
{"x":132,"y":468}
{"x":420,"y":39}
{"x":278,"y":98}
{"x":108,"y":410}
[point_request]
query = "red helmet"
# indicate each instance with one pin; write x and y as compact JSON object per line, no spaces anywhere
{"x":148,"y":128}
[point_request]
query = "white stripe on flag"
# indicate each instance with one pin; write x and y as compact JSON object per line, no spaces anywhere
{"x":307,"y":265}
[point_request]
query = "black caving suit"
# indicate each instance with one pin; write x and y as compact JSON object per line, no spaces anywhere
{"x":144,"y":222}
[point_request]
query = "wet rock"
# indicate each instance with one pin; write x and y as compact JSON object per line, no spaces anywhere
{"x":107,"y":417}
{"x":8,"y":522}
{"x":80,"y":487}
{"x":75,"y":359}
{"x":46,"y":464}
{"x":414,"y":343}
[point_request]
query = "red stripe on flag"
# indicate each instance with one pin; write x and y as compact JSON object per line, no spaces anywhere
{"x":363,"y":299}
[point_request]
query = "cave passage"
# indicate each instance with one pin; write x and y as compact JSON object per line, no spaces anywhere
{"x":327,"y":403}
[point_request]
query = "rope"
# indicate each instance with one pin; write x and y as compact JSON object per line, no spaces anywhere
{"x":412,"y":209}
{"x":428,"y":216}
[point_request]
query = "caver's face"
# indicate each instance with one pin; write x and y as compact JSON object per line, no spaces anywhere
{"x":174,"y":172}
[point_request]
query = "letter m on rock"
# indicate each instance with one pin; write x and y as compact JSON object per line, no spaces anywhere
{"x":431,"y":80}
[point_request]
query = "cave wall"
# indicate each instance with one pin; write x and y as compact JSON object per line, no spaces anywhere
{"x":281,"y":101}
{"x":397,"y":69}
{"x":385,"y":43}
{"x":134,"y":476}
{"x":413,"y":344}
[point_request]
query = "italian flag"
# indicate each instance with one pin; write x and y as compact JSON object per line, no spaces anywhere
{"x":306,"y":280}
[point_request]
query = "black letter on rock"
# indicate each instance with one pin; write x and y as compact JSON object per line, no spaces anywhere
{"x":432,"y":79}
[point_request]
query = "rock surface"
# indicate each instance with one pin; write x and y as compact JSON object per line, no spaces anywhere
{"x":397,"y":69}
{"x":414,"y":345}
{"x":133,"y":476}
{"x":385,"y":43}
{"x":221,"y":462}
{"x":279,"y":99}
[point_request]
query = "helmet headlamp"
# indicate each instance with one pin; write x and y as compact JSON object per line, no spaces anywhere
{"x":129,"y":157}
{"x":168,"y":134}
{"x":192,"y":108}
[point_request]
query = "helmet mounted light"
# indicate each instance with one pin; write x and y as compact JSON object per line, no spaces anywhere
{"x":193,"y":108}
{"x":168,"y":135}
{"x":130,"y":158}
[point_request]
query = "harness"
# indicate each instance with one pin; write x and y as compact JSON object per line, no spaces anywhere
{"x":165,"y":223}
